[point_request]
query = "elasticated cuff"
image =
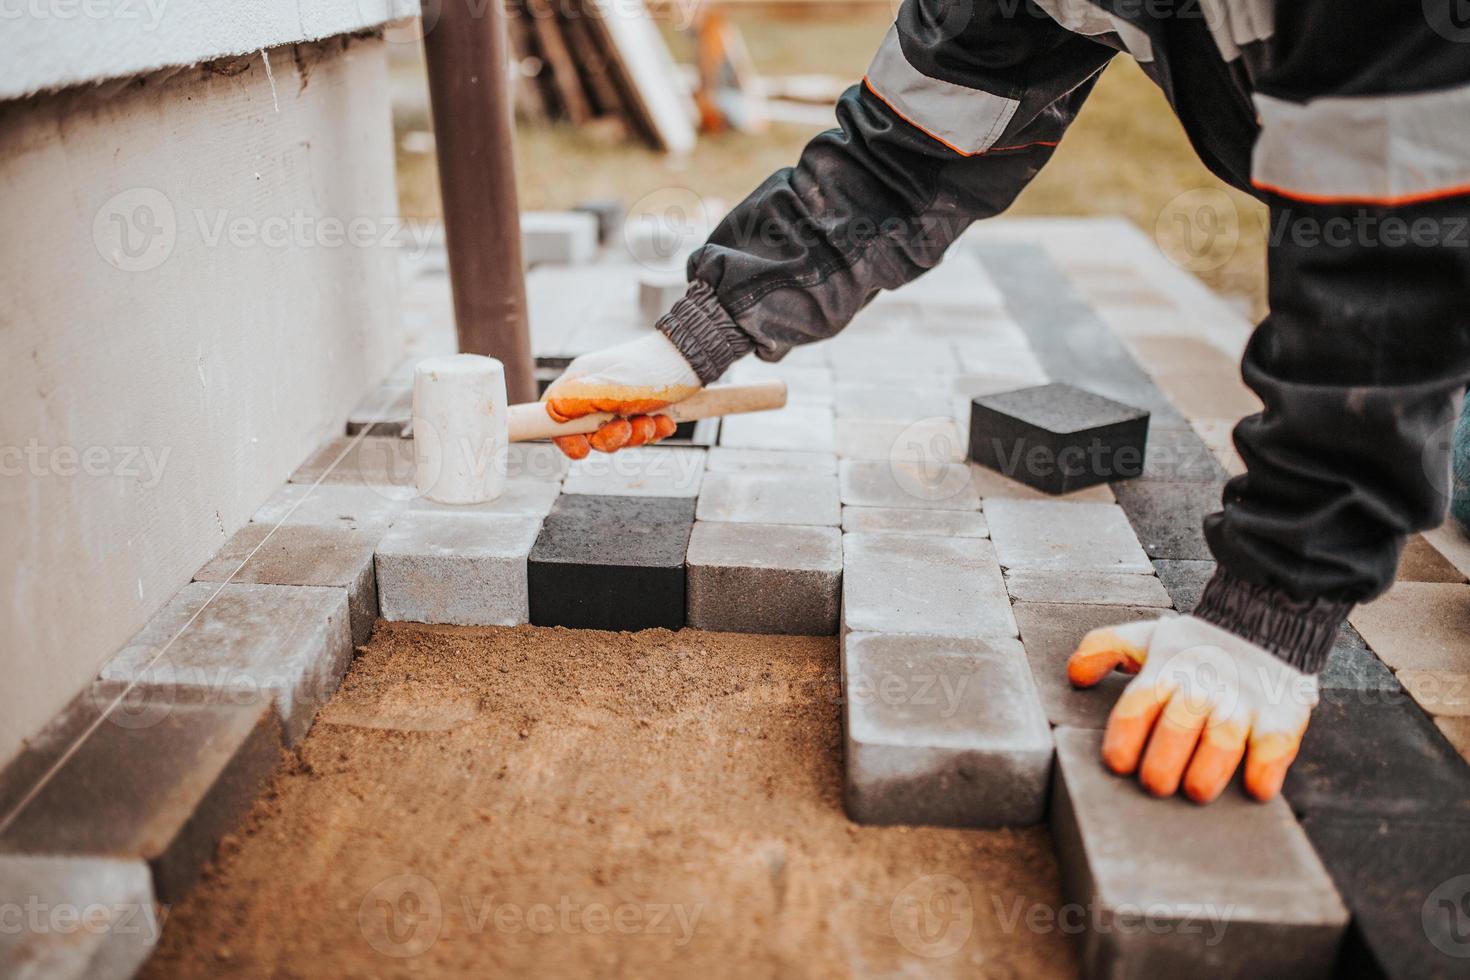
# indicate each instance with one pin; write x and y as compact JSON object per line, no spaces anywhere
{"x":1300,"y":633}
{"x":704,"y":333}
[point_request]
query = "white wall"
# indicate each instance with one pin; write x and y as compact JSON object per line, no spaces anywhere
{"x":156,"y":388}
{"x":49,"y":44}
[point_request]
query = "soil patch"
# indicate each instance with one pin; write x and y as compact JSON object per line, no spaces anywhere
{"x":546,"y":802}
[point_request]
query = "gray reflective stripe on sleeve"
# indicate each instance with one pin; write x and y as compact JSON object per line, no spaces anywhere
{"x":1235,"y":23}
{"x":967,"y":120}
{"x":1084,"y":17}
{"x":1382,"y":149}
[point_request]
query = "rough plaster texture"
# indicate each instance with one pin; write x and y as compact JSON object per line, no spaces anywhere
{"x":47,"y":46}
{"x":192,"y":385}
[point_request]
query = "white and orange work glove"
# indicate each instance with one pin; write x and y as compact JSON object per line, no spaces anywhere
{"x":1203,"y":699}
{"x":631,"y":380}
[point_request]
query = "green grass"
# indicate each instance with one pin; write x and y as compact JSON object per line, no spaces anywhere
{"x":1125,"y":155}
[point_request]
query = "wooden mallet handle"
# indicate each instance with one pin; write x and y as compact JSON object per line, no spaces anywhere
{"x":530,"y":421}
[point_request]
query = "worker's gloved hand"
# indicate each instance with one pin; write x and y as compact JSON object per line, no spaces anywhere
{"x":633,"y":380}
{"x":1207,"y":697}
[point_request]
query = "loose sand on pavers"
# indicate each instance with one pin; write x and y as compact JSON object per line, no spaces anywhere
{"x":548,"y":802}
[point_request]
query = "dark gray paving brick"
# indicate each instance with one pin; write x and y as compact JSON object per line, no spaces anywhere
{"x":303,"y":554}
{"x":1049,"y":632}
{"x":1232,"y":889}
{"x":163,"y":792}
{"x":1057,"y":438}
{"x":765,"y":578}
{"x":615,"y":563}
{"x":1169,"y":517}
{"x":1407,"y":884}
{"x":942,"y":731}
{"x":75,"y":918}
{"x":1370,"y":755}
{"x":241,"y":644}
{"x":1176,"y":454}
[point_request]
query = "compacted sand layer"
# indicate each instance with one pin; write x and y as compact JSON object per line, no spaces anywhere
{"x":554,"y":803}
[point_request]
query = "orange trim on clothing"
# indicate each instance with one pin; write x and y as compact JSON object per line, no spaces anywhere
{"x":1390,"y":202}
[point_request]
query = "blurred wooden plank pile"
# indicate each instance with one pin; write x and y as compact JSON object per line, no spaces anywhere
{"x":599,"y":63}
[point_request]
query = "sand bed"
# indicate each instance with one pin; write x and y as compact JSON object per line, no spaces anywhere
{"x":539,"y":802}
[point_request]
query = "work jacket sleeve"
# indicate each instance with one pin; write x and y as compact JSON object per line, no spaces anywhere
{"x":1364,"y":160}
{"x":961,"y":106}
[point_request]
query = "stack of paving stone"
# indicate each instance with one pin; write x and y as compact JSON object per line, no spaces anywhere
{"x":957,"y":594}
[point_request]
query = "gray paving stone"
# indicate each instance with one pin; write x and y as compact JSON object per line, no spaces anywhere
{"x":651,"y":471}
{"x":609,"y":214}
{"x":304,"y":554}
{"x":925,"y":585}
{"x":536,"y":461}
{"x":1086,"y":588}
{"x":240,"y":644}
{"x":933,"y":440}
{"x":770,"y":498}
{"x":384,"y":411}
{"x":1169,"y":517}
{"x":764,"y":578}
{"x":934,"y":486}
{"x":991,"y":485}
{"x":942,"y":731}
{"x":1050,"y":632}
{"x":614,"y":563}
{"x":360,"y":461}
{"x":460,"y":569}
{"x":891,"y":403}
{"x":722,"y":459}
{"x":519,"y":497}
{"x":799,"y":426}
{"x":658,"y":292}
{"x":561,"y":237}
{"x":893,"y":520}
{"x":1232,"y":889}
{"x":158,"y":785}
{"x":333,"y":505}
{"x":70,"y":918}
{"x":1055,"y":535}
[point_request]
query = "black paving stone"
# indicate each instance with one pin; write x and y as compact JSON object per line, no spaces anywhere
{"x":1057,"y":437}
{"x":1371,"y":754}
{"x":613,"y":563}
{"x":1179,"y":455}
{"x":1407,"y":884}
{"x":1169,"y":517}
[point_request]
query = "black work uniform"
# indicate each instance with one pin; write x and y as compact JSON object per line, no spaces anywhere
{"x":1352,"y":122}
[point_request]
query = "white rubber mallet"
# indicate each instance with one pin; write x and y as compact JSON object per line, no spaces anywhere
{"x":462,"y":426}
